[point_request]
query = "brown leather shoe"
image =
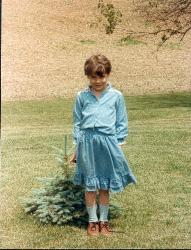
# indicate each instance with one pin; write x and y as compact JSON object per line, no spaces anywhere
{"x":104,"y":228}
{"x":93,"y":228}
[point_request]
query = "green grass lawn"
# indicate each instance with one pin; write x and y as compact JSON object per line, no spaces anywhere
{"x":157,"y":211}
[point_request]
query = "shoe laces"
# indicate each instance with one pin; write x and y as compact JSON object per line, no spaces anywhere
{"x":93,"y":226}
{"x":106,"y":226}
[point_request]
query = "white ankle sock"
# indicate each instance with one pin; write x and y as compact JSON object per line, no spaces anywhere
{"x":92,"y":212}
{"x":103,"y":209}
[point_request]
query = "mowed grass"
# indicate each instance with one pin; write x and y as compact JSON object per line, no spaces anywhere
{"x":157,"y":211}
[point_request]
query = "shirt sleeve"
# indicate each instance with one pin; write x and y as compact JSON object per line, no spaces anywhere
{"x":77,"y":117}
{"x":121,"y":121}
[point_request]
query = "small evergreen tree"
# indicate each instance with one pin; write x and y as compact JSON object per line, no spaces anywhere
{"x":59,"y":201}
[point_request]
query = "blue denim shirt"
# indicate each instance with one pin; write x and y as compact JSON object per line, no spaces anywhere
{"x":107,"y":113}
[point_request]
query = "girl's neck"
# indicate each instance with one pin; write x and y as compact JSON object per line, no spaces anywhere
{"x":98,"y":93}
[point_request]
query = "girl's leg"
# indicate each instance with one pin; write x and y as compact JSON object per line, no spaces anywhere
{"x":91,"y":206}
{"x":103,"y":197}
{"x":103,"y":204}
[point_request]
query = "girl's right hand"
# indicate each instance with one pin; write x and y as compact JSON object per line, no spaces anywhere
{"x":73,"y":158}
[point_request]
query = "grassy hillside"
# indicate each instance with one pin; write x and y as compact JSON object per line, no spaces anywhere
{"x":45,"y":44}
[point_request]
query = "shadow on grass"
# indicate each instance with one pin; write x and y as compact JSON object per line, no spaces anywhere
{"x":159,"y":101}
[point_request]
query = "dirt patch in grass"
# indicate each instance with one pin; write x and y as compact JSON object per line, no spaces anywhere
{"x":43,"y":53}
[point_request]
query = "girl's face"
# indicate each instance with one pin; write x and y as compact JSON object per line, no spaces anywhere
{"x":98,"y":83}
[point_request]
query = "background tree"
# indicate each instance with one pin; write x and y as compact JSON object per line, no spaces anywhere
{"x":112,"y":15}
{"x":167,"y":18}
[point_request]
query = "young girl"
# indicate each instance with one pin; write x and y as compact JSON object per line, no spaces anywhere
{"x":100,"y":129}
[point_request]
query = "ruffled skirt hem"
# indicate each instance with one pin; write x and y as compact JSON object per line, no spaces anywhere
{"x":114,"y":185}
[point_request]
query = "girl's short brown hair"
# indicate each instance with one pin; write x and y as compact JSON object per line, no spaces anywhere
{"x":97,"y":65}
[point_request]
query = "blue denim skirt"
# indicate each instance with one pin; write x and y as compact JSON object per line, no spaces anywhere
{"x":101,"y":163}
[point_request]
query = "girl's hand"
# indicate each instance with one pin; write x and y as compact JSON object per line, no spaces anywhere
{"x":122,"y":146}
{"x":73,"y":159}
